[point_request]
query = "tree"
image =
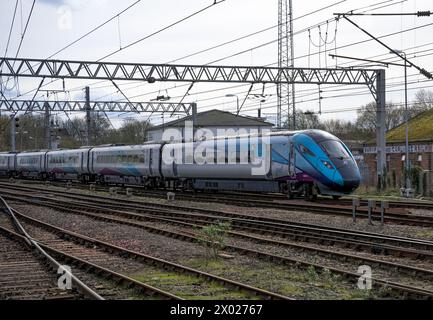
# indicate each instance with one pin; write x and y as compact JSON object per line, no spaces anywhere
{"x":305,"y":120}
{"x":76,"y":129}
{"x":366,"y":119}
{"x":134,"y":131}
{"x":423,"y":101}
{"x":4,"y":133}
{"x":343,"y":129}
{"x":30,"y":134}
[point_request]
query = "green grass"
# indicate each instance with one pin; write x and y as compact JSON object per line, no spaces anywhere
{"x":188,"y":286}
{"x":390,"y":194}
{"x":425,"y":234}
{"x":291,"y":281}
{"x":420,"y":128}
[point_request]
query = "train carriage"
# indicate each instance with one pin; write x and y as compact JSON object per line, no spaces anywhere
{"x":231,"y":163}
{"x":7,"y":164}
{"x":137,"y":164}
{"x":31,"y":165}
{"x":68,"y":164}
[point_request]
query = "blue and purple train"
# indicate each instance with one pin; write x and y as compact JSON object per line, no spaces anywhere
{"x":301,"y":163}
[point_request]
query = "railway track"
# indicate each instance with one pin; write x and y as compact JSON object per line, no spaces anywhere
{"x":296,"y":231}
{"x":396,"y":216}
{"x":88,"y":280}
{"x":186,"y":195}
{"x":22,"y":275}
{"x":100,"y":256}
{"x":131,"y":219}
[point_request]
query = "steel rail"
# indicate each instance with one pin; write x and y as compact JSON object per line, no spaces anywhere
{"x":153,"y":260}
{"x":401,"y":288}
{"x":34,"y":244}
{"x":195,"y":224}
{"x":271,"y":222}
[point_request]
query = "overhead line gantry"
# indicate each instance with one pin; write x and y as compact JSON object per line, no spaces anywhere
{"x":374,"y":79}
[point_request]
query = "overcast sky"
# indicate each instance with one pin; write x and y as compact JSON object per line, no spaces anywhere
{"x":56,"y":23}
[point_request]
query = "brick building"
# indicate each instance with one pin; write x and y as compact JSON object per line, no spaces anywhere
{"x":420,"y":154}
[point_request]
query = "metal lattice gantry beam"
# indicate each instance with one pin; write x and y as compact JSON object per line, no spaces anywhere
{"x":64,"y":69}
{"x":103,"y":106}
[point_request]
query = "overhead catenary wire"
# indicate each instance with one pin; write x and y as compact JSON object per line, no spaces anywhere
{"x":315,"y":53}
{"x":162,"y":29}
{"x":23,"y":35}
{"x":92,"y":31}
{"x":315,"y":11}
{"x":11,"y":28}
{"x":158,"y":31}
{"x":9,"y":38}
{"x":301,"y":90}
{"x":225,"y":43}
{"x":231,"y":41}
{"x":237,"y":86}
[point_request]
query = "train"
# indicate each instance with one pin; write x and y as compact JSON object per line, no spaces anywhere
{"x":303,"y":163}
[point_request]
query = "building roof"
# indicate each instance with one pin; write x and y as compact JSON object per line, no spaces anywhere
{"x":420,"y":129}
{"x":216,"y":118}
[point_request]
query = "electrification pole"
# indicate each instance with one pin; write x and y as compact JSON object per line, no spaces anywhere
{"x":88,"y":118}
{"x":47,"y":127}
{"x":285,"y":91}
{"x":406,"y":121}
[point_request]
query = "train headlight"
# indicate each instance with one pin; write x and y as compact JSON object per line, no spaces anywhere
{"x":328,"y":164}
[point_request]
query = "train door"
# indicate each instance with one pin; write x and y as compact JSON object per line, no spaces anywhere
{"x":292,"y":160}
{"x":81,"y":154}
{"x":41,"y":163}
{"x":150,"y":158}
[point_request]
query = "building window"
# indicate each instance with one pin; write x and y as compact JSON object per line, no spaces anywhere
{"x":419,"y":159}
{"x":403,"y":157}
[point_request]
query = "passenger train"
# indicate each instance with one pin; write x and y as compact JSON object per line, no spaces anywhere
{"x":301,"y":163}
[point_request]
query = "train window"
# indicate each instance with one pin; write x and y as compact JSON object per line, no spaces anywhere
{"x":305,"y":150}
{"x":334,"y":149}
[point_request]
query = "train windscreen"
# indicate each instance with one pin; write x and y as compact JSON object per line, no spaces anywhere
{"x":334,"y":149}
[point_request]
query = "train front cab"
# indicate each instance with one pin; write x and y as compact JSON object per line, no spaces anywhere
{"x":320,"y":163}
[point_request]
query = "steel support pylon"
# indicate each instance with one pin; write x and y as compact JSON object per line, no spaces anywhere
{"x":285,"y":91}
